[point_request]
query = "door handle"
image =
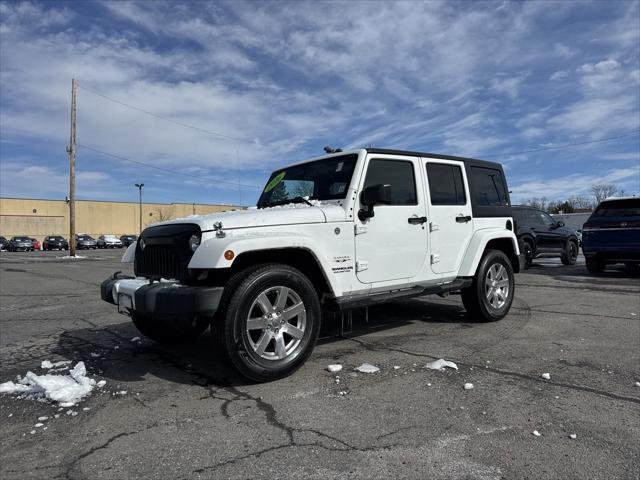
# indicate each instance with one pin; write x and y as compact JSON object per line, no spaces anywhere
{"x":463,"y":218}
{"x":417,"y":220}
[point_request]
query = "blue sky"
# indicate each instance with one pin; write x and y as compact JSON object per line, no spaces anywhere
{"x":279,"y":80}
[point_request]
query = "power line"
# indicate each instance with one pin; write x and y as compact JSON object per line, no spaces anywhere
{"x":174,"y":172}
{"x":167,"y":119}
{"x":559,"y":147}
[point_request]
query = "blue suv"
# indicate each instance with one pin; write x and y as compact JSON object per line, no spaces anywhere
{"x":612,"y":235}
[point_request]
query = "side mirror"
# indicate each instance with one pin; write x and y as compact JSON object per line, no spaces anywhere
{"x":373,"y":195}
{"x":560,"y":223}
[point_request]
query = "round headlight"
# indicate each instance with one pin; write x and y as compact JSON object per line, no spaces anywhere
{"x":194,"y":242}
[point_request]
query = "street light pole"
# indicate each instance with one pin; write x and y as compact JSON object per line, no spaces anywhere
{"x":140,"y":185}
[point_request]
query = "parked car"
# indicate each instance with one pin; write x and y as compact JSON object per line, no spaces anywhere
{"x":36,"y":244}
{"x":55,"y":242}
{"x":540,"y":235}
{"x":4,"y":244}
{"x":369,"y":232}
{"x":108,"y":241}
{"x":85,"y":242}
{"x":612,"y":235}
{"x":20,"y":243}
{"x":128,"y":239}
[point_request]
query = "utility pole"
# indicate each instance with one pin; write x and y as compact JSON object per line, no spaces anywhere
{"x":140,"y":185}
{"x":71,"y":149}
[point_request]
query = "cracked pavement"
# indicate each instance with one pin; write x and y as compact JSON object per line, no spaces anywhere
{"x":186,"y":414}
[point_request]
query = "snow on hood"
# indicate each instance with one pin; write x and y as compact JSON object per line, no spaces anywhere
{"x":289,"y":214}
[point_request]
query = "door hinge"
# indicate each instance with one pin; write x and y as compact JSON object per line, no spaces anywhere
{"x":435,"y":258}
{"x":362,"y":265}
{"x":359,"y":229}
{"x":433,"y":226}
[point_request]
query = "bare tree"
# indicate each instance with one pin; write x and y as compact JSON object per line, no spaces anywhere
{"x":580,"y":202}
{"x":162,"y":214}
{"x":537,"y":202}
{"x":603,"y":190}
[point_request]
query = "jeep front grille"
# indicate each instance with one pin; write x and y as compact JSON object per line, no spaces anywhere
{"x":166,"y":252}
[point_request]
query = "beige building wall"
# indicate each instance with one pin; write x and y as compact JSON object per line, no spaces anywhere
{"x":39,"y":218}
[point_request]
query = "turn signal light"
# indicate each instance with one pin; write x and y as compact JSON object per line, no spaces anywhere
{"x":229,"y":254}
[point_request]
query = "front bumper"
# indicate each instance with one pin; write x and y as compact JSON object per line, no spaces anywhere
{"x":163,"y":299}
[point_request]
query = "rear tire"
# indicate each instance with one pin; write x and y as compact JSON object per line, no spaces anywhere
{"x":268,"y":322}
{"x":163,"y":332}
{"x":633,"y":268}
{"x":594,"y":265}
{"x":490,"y":296}
{"x":570,"y":253}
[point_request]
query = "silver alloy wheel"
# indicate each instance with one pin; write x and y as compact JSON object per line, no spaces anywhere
{"x":496,"y":285}
{"x":276,"y":323}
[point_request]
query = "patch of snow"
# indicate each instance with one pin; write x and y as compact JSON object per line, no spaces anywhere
{"x":57,"y":415}
{"x":396,"y":367}
{"x":546,"y":376}
{"x":536,"y":433}
{"x":46,"y":364}
{"x":135,"y":339}
{"x":637,"y":384}
{"x":43,"y":419}
{"x":69,"y":257}
{"x":32,"y":432}
{"x":367,"y":368}
{"x":95,"y":355}
{"x":336,"y":367}
{"x":428,"y":384}
{"x":86,"y":409}
{"x":38,"y":425}
{"x":66,"y":390}
{"x":101,"y":383}
{"x":441,"y":364}
{"x":573,"y":436}
{"x":468,"y":386}
{"x":10,"y":415}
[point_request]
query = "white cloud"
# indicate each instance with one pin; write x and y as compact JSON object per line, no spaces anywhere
{"x":509,"y":86}
{"x":559,"y":75}
{"x":578,"y":183}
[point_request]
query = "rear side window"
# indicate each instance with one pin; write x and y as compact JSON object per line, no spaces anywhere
{"x":445,"y":184}
{"x":397,"y":173}
{"x":619,"y":208}
{"x":488,"y":187}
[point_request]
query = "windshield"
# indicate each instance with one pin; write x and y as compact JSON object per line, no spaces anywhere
{"x":325,"y":179}
{"x":619,"y":208}
{"x":57,"y":239}
{"x":22,"y":239}
{"x":84,"y":237}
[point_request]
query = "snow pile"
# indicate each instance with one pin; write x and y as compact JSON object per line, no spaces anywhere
{"x":367,"y":368}
{"x":69,"y":257}
{"x":546,"y":376}
{"x":46,"y":364}
{"x":67,"y":390}
{"x":468,"y":386}
{"x":441,"y":364}
{"x":334,"y":368}
{"x":536,"y":433}
{"x":573,"y":436}
{"x":637,"y":384}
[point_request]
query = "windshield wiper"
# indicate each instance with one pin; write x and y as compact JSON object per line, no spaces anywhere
{"x":285,"y":201}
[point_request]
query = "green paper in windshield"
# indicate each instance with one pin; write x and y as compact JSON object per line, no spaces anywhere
{"x":275,"y":181}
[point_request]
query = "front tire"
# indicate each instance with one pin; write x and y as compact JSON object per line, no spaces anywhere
{"x":268,"y":325}
{"x":527,"y":249}
{"x":570,"y":253}
{"x":490,"y":296}
{"x":164,"y":332}
{"x":594,"y":265}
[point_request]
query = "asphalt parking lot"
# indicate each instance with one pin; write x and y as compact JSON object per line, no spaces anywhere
{"x":185,"y":414}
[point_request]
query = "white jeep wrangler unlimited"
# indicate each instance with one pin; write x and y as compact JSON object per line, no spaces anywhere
{"x":344,"y":230}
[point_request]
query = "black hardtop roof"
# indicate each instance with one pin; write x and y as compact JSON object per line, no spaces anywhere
{"x":409,"y":153}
